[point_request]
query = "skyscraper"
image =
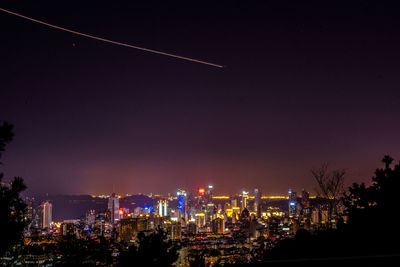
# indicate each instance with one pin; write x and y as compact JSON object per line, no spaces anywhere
{"x":200,"y":220}
{"x":90,"y":217}
{"x":305,"y":198}
{"x":305,"y":203}
{"x":210,"y":189}
{"x":47,"y":214}
{"x":257,"y":202}
{"x":209,"y":193}
{"x":234,"y":203}
{"x":113,"y":207}
{"x":163,"y":207}
{"x":292,"y":203}
{"x":245,"y":196}
{"x":182,"y":203}
{"x":218,"y":225}
{"x":181,"y":200}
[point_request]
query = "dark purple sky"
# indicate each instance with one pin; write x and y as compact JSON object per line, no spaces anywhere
{"x":303,"y":85}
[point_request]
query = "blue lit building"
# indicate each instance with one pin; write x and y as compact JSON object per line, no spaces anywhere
{"x":292,"y":203}
{"x":182,"y":202}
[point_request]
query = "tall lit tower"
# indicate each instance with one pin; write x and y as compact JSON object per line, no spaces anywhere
{"x":47,"y":214}
{"x":201,"y":198}
{"x":305,"y":203}
{"x":163,"y":207}
{"x":234,"y":203}
{"x":257,"y":202}
{"x":245,"y":197}
{"x":210,"y":190}
{"x":181,"y":201}
{"x":113,"y":207}
{"x":292,"y":203}
{"x":305,"y":198}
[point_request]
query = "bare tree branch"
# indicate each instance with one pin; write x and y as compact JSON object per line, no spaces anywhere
{"x":330,"y":187}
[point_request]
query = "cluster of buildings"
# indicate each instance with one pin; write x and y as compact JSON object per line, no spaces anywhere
{"x":203,"y":221}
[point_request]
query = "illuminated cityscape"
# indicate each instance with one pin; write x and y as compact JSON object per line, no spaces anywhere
{"x":199,"y":133}
{"x":200,"y":220}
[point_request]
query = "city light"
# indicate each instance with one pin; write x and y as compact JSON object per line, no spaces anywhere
{"x":220,"y":197}
{"x":132,"y":160}
{"x":202,"y":218}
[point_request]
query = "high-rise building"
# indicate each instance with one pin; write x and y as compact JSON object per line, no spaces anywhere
{"x":101,"y":223}
{"x":191,"y":228}
{"x":234,"y":203}
{"x":218,"y":225}
{"x":210,"y":189}
{"x":181,"y":203}
{"x":292,"y":203}
{"x":34,"y":212}
{"x":160,"y":207}
{"x":324,"y":216}
{"x":131,"y":226}
{"x":174,"y":230}
{"x":305,"y":203}
{"x":305,"y":198}
{"x":47,"y":214}
{"x":200,"y":220}
{"x":254,"y":229}
{"x":113,"y":208}
{"x":67,"y":229}
{"x":257,"y":202}
{"x":245,"y":197}
{"x":90,"y":217}
{"x":163,"y":207}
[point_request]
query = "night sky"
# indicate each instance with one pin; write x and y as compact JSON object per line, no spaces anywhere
{"x":303,"y":84}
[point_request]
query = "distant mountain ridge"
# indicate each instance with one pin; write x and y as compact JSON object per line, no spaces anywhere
{"x":67,"y":207}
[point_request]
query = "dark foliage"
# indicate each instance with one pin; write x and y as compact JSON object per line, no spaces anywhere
{"x":372,"y":209}
{"x":370,"y":229}
{"x":83,"y":252}
{"x":12,"y":207}
{"x":70,"y":251}
{"x":6,"y":135}
{"x":152,"y":250}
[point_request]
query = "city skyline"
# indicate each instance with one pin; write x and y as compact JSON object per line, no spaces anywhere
{"x":301,"y":86}
{"x":199,"y":133}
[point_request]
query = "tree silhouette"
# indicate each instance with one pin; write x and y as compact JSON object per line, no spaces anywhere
{"x":152,"y":250}
{"x":75,"y":251}
{"x":330,"y":187}
{"x":12,"y":207}
{"x":387,"y":160}
{"x":371,"y":208}
{"x":370,"y":228}
{"x":6,"y":135}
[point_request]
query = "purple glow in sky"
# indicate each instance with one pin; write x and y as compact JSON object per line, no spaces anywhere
{"x":301,"y":86}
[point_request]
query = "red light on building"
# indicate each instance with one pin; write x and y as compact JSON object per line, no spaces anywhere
{"x":121,"y":212}
{"x":201,"y":190}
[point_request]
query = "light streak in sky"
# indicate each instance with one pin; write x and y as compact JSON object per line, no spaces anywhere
{"x":111,"y":41}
